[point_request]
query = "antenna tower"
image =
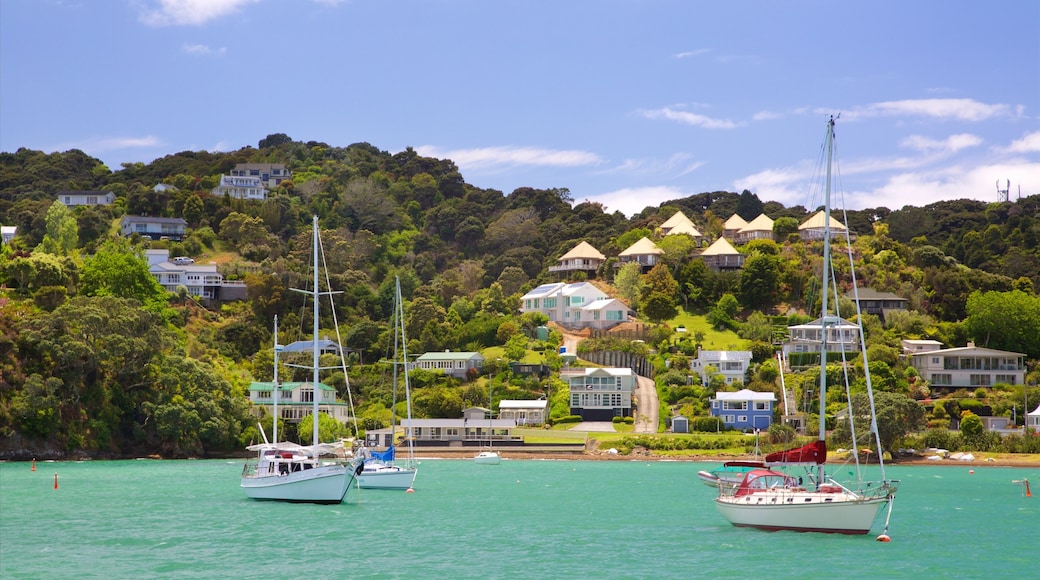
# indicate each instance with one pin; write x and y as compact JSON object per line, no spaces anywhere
{"x":1003,"y":193}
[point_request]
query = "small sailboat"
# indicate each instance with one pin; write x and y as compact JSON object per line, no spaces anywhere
{"x":381,"y":471}
{"x":290,"y":472}
{"x":771,"y":499}
{"x":489,"y":456}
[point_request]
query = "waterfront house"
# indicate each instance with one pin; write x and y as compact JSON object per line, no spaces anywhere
{"x":455,"y":364}
{"x":524,"y":412}
{"x":970,"y":366}
{"x":600,"y":394}
{"x":745,"y":409}
{"x":72,"y":198}
{"x":153,"y":228}
{"x":581,"y":258}
{"x":1033,"y":420}
{"x":296,"y":401}
{"x":474,"y":429}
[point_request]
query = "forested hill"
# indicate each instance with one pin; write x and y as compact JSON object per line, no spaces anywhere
{"x":92,"y":356}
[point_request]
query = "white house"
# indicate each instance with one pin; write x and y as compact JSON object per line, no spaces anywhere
{"x":524,"y":412}
{"x":842,"y":335}
{"x":600,"y":394}
{"x":455,"y":364}
{"x":153,"y":228}
{"x":970,"y":366}
{"x":1033,"y":420}
{"x":914,"y":346}
{"x":269,"y":174}
{"x":7,"y":233}
{"x":744,"y":409}
{"x":731,"y":364}
{"x":71,"y":198}
{"x":575,"y":305}
{"x":296,"y":400}
{"x":201,"y":280}
{"x":240,"y":187}
{"x":474,"y":429}
{"x":582,"y":257}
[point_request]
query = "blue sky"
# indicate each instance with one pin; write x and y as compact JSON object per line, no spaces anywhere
{"x":628,"y":103}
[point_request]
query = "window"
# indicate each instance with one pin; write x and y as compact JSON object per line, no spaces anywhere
{"x":728,"y":419}
{"x":549,"y":303}
{"x":742,"y":418}
{"x":980,"y":380}
{"x":1008,"y":379}
{"x":942,"y":379}
{"x":734,"y":405}
{"x":761,"y":406}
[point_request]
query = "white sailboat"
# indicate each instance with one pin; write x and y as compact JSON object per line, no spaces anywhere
{"x":489,"y":456}
{"x":381,"y":470}
{"x":771,"y":499}
{"x":286,"y":471}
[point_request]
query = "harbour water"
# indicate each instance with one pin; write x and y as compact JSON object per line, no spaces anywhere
{"x":520,"y":519}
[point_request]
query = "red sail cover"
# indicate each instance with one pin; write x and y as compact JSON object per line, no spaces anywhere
{"x":815,"y":452}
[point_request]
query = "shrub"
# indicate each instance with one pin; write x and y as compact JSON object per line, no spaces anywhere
{"x":707,"y":424}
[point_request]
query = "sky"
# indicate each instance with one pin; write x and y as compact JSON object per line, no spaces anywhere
{"x":629,"y":103}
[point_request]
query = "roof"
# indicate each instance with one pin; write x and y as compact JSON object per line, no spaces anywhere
{"x":745,"y":395}
{"x":687,"y":228}
{"x":583,"y":250}
{"x":601,"y":303}
{"x":735,"y":222}
{"x":761,"y":223}
{"x":612,"y":371}
{"x":816,"y":222}
{"x":308,"y":346}
{"x":1035,"y":413}
{"x":721,"y":355}
{"x":968,"y":350}
{"x":269,"y":386}
{"x":720,"y":248}
{"x":153,"y":220}
{"x":642,"y":247}
{"x":842,"y":323}
{"x":544,"y":290}
{"x":523,"y":404}
{"x":449,"y":355}
{"x":871,"y":294}
{"x":677,"y":219}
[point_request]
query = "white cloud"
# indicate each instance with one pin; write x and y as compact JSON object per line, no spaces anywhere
{"x":766,"y":116}
{"x":1029,"y":143}
{"x":203,"y":50}
{"x":677,"y":165}
{"x":959,"y":109}
{"x":632,"y":200}
{"x":98,"y":145}
{"x":688,"y":118}
{"x":692,"y":53}
{"x":951,"y":144}
{"x":499,"y":157}
{"x":189,"y":12}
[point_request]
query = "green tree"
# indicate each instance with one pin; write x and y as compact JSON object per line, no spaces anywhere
{"x":629,"y":283}
{"x":329,"y":429}
{"x":723,"y":314}
{"x":760,"y":281}
{"x":897,"y":416}
{"x":62,"y":235}
{"x":1005,"y":320}
{"x":118,"y":269}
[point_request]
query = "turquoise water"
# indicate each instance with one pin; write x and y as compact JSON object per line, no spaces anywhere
{"x":520,"y":519}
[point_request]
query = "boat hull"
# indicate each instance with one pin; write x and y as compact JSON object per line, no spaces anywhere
{"x":488,"y":458}
{"x":387,"y":477}
{"x":802,"y":512}
{"x":326,"y":484}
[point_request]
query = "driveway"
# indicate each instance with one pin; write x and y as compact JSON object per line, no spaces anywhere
{"x":646,"y":415}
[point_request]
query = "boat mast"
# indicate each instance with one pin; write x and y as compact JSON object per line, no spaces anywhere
{"x":825,"y":291}
{"x":404,"y":369}
{"x":314,"y":343}
{"x":276,"y":386}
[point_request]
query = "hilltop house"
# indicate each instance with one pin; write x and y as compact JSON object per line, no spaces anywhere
{"x":296,"y":401}
{"x":240,"y":187}
{"x":842,"y":335}
{"x":644,"y":252}
{"x":813,"y":228}
{"x":745,"y":409}
{"x":153,"y":228}
{"x":970,"y":366}
{"x":577,"y":305}
{"x":913,"y":346}
{"x":721,"y":255}
{"x":455,"y":364}
{"x":732,"y":227}
{"x":582,"y":258}
{"x":600,"y":394}
{"x":879,"y":303}
{"x":760,"y":228}
{"x":7,"y":233}
{"x":680,"y":224}
{"x":269,"y":174}
{"x":201,"y":280}
{"x":71,"y":198}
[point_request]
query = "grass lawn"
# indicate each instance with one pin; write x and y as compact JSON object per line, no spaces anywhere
{"x":713,"y":339}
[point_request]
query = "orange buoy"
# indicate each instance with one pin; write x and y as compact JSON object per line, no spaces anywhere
{"x":971,"y":472}
{"x":55,"y":481}
{"x":409,"y":490}
{"x":1028,"y":493}
{"x":884,"y":538}
{"x":34,"y":464}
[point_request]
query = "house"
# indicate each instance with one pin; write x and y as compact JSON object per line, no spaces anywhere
{"x":582,"y":258}
{"x":472,"y":430}
{"x":813,"y":228}
{"x":71,"y":198}
{"x":721,"y":255}
{"x":842,"y":335}
{"x":526,"y":412}
{"x":732,"y":227}
{"x":1033,"y":420}
{"x":600,"y":394}
{"x":760,"y":228}
{"x":644,"y":252}
{"x":240,"y":187}
{"x":7,"y":233}
{"x":163,"y":188}
{"x":575,"y":305}
{"x":731,"y":364}
{"x":879,"y":303}
{"x":680,"y":224}
{"x":153,"y":228}
{"x":296,"y":401}
{"x":913,"y":346}
{"x":270,"y":174}
{"x":745,"y":409}
{"x":201,"y":280}
{"x":970,"y":366}
{"x":455,"y":364}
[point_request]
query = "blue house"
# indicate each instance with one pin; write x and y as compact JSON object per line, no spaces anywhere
{"x":745,"y":409}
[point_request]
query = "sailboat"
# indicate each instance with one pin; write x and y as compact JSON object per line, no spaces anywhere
{"x":290,"y":472}
{"x":381,"y":471}
{"x":772,"y":499}
{"x":489,"y":456}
